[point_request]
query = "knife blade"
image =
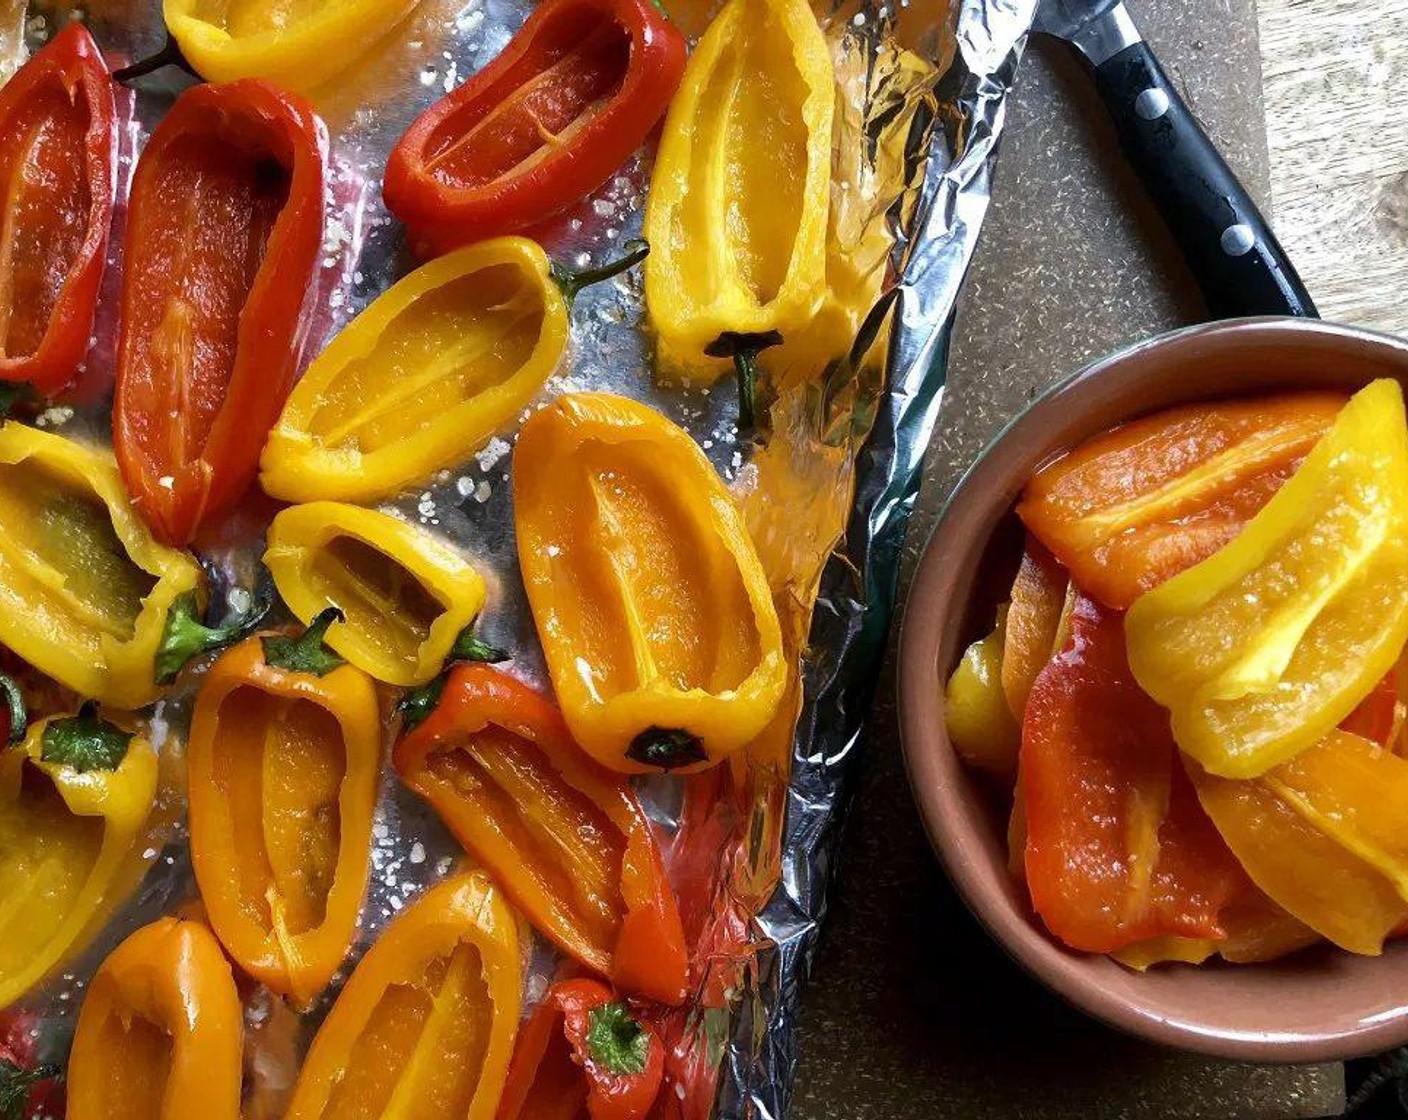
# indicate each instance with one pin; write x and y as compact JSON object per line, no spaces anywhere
{"x":1099,"y":29}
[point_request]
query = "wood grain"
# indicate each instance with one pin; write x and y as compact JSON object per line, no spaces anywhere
{"x":1335,"y":74}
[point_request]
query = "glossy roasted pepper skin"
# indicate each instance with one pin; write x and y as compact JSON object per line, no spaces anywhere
{"x":58,"y":151}
{"x":224,"y":229}
{"x":546,"y":123}
{"x":84,"y":588}
{"x":284,"y":766}
{"x":740,"y":194}
{"x":493,"y":743}
{"x":72,"y":844}
{"x":1263,"y":648}
{"x":1136,"y":505}
{"x":654,"y":612}
{"x":434,"y":367}
{"x":404,"y":593}
{"x":299,"y":47}
{"x":429,"y":1014}
{"x":583,"y":1054}
{"x":160,"y":1033}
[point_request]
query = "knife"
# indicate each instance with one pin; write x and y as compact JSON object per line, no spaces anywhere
{"x":1235,"y":258}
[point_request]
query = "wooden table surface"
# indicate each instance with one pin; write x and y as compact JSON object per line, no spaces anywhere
{"x":1337,"y":129}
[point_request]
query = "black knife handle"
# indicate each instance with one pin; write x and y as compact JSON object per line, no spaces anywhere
{"x":1235,"y":258}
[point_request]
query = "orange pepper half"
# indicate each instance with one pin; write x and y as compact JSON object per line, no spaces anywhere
{"x":160,"y":1033}
{"x":284,"y":760}
{"x":566,"y":837}
{"x":426,"y":1024}
{"x":1136,"y":505}
{"x":1117,"y":849}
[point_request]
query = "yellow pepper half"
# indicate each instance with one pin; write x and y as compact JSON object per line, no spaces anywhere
{"x":1323,"y":836}
{"x":654,"y":612}
{"x":434,"y":367}
{"x":298,"y":45}
{"x":76,"y":822}
{"x":405,"y":595}
{"x":1264,"y":647}
{"x":984,"y":732}
{"x":741,"y":192}
{"x":85,"y":590}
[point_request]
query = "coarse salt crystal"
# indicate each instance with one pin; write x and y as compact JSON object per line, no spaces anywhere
{"x":417,"y":852}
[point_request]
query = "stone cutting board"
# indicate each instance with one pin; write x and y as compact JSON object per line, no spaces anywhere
{"x":913,"y":1013}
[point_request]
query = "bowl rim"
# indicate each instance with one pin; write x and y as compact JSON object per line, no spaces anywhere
{"x":927,"y":770}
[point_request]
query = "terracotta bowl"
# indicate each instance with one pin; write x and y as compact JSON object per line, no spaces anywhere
{"x":1317,"y":1005}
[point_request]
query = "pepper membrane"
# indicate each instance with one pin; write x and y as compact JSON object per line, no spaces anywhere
{"x":224,"y":229}
{"x":58,"y":155}
{"x":546,"y":123}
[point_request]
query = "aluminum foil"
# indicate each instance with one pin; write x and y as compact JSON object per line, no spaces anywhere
{"x":749,"y":846}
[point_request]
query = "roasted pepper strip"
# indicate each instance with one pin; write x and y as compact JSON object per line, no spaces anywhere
{"x":980,"y":724}
{"x":1034,"y":619}
{"x":223,"y":234}
{"x":284,"y":761}
{"x":84,"y":589}
{"x":405,"y":595}
{"x":1257,"y":930}
{"x":740,"y":194}
{"x":160,"y":1033}
{"x":76,"y":801}
{"x":583,"y":1054}
{"x":299,"y":46}
{"x":426,"y":374}
{"x":1260,"y":650}
{"x":1322,"y":835}
{"x":547,"y":122}
{"x":1117,"y":850}
{"x":58,"y":151}
{"x":427,"y":1020}
{"x":653,"y":609}
{"x":568,"y":840}
{"x":1136,"y":505}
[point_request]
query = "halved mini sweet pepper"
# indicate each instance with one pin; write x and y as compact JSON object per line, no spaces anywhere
{"x":583,"y":1054}
{"x":76,"y":824}
{"x":58,"y":149}
{"x":1322,"y":835}
{"x":1117,"y":849}
{"x":86,"y":595}
{"x":557,"y":111}
{"x":980,"y":724}
{"x":435,"y":366}
{"x":1130,"y":508}
{"x":405,"y":595}
{"x":284,"y":758}
{"x":653,"y":609}
{"x":298,"y":46}
{"x":160,"y":1033}
{"x":426,"y":1024}
{"x":568,"y":840}
{"x":224,"y":229}
{"x":740,"y":195}
{"x":1261,"y":649}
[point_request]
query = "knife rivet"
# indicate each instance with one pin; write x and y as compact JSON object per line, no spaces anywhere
{"x":1238,"y":240}
{"x":1151,"y":104}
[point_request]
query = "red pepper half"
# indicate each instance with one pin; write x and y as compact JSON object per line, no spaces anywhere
{"x":1118,"y":849}
{"x":574,"y":93}
{"x":566,"y":838}
{"x":583,"y":1054}
{"x":58,"y":167}
{"x":223,"y":236}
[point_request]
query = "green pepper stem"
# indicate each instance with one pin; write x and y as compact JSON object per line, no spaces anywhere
{"x":169,"y":55}
{"x":667,"y":748}
{"x":85,"y":741}
{"x":573,"y":282}
{"x":616,"y":1040}
{"x":11,"y":394}
{"x":744,"y":348}
{"x":306,"y":653}
{"x":185,"y":636}
{"x":14,"y":701}
{"x":417,"y":703}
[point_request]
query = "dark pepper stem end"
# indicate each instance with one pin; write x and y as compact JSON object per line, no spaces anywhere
{"x":185,"y":636}
{"x":169,"y":55}
{"x":469,"y":648}
{"x":416,"y":704}
{"x":573,"y":282}
{"x":14,"y":702}
{"x":667,"y":748}
{"x":13,"y":393}
{"x":744,"y":348}
{"x":306,"y":653}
